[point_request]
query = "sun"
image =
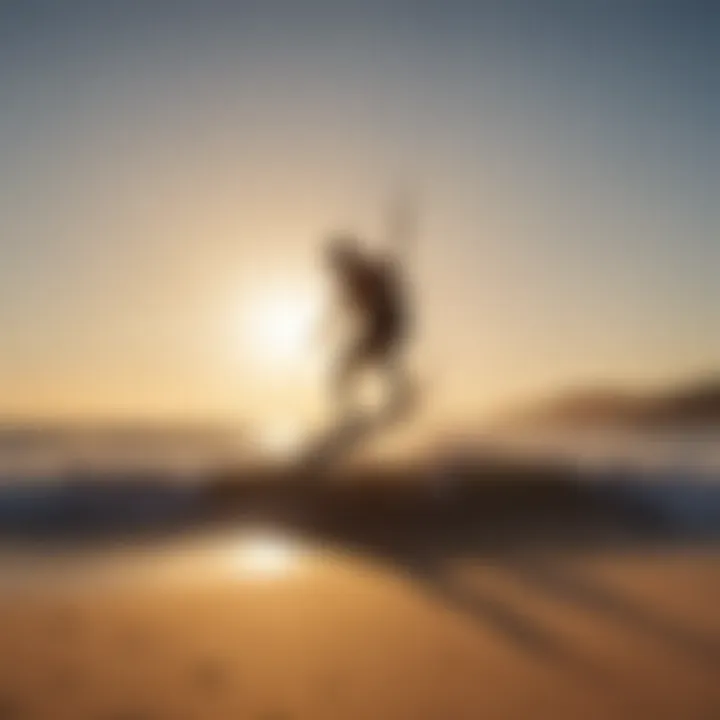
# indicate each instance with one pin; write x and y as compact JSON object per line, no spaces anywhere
{"x":278,"y":324}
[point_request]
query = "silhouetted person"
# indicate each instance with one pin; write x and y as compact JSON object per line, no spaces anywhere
{"x":372,"y":296}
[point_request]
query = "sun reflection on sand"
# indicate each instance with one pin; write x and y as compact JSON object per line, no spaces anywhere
{"x":265,"y":555}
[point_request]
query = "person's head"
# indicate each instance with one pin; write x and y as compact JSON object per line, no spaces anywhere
{"x":342,"y":251}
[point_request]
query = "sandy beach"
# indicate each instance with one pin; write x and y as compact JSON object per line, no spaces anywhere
{"x":259,"y":624}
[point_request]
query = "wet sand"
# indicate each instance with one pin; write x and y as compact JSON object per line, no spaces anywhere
{"x":260,"y":625}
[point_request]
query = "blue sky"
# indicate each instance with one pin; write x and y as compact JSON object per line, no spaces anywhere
{"x":162,"y":162}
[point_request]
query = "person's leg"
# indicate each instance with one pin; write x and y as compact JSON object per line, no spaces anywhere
{"x":345,"y":374}
{"x":401,"y":391}
{"x":347,"y":426}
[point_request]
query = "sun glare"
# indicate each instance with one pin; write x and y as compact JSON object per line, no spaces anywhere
{"x":278,"y":325}
{"x":264,"y":556}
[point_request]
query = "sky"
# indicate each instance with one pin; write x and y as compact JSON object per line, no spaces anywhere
{"x":169,"y":171}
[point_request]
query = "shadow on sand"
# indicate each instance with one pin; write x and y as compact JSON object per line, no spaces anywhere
{"x":527,"y":521}
{"x":432,"y":570}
